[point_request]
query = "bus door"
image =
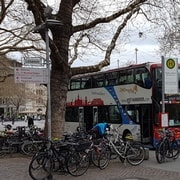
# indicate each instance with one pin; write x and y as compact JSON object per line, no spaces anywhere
{"x":95,"y":115}
{"x":90,"y":116}
{"x":81,"y":117}
{"x":146,"y":123}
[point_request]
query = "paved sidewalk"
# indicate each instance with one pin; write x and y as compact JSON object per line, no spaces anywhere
{"x":16,"y":168}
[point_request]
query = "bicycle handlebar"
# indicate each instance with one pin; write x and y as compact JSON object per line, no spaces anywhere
{"x":166,"y":132}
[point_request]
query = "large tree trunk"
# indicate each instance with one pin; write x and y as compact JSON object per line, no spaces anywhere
{"x":60,"y":73}
{"x":59,"y":88}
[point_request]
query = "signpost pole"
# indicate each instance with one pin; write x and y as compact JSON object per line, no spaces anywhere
{"x":163,"y":84}
{"x":48,"y":84}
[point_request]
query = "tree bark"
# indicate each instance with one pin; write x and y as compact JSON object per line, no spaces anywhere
{"x":59,"y":88}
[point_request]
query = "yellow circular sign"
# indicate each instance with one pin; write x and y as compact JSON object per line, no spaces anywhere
{"x":170,"y":63}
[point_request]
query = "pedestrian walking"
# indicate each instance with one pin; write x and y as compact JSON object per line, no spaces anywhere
{"x":2,"y":119}
{"x":30,"y":122}
{"x":25,"y":118}
{"x":13,"y":119}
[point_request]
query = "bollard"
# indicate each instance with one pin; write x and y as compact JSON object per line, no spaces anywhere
{"x":146,"y":157}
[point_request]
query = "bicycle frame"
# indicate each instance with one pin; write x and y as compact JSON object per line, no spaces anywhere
{"x":127,"y":150}
{"x":124,"y":146}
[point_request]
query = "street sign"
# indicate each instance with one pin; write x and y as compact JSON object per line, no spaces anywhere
{"x":170,"y":75}
{"x":34,"y":61}
{"x":31,"y":75}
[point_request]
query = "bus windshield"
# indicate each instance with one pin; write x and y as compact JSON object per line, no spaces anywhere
{"x":173,"y":114}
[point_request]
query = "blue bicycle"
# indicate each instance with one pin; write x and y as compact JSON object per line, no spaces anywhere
{"x":167,"y":147}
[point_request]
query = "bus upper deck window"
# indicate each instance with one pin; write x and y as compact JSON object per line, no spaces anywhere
{"x":91,"y":83}
{"x":147,"y":82}
{"x":143,"y":78}
{"x":88,"y":84}
{"x":75,"y":84}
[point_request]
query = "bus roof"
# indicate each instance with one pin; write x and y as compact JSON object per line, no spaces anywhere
{"x":132,"y":66}
{"x":113,"y":70}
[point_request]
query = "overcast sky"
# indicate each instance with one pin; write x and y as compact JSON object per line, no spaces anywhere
{"x":141,"y":49}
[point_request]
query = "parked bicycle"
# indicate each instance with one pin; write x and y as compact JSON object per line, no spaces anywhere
{"x":114,"y":145}
{"x":18,"y":140}
{"x":11,"y":140}
{"x":34,"y":141}
{"x":99,"y":153}
{"x":168,"y":146}
{"x":125,"y":148}
{"x":59,"y":156}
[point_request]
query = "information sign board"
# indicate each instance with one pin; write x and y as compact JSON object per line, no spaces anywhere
{"x":171,"y":76}
{"x":31,"y":75}
{"x":33,"y":61}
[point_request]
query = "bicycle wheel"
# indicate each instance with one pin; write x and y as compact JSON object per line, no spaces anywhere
{"x":78,"y":163}
{"x":174,"y":149}
{"x":40,"y":166}
{"x":135,"y":154}
{"x":102,"y":157}
{"x":94,"y":157}
{"x":161,"y":151}
{"x":30,"y":148}
{"x":114,"y":155}
{"x":2,"y":151}
{"x":105,"y":157}
{"x":2,"y":147}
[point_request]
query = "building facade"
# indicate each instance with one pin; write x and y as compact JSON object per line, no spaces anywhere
{"x":19,"y":99}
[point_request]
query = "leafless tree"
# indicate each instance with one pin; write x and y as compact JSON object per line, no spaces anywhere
{"x":170,"y":36}
{"x":79,"y":23}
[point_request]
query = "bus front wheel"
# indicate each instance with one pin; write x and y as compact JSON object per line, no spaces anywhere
{"x":126,"y":134}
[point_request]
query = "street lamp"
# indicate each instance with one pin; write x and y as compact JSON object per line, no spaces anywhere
{"x":136,"y":50}
{"x":45,"y":27}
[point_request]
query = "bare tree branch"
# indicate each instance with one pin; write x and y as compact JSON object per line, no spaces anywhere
{"x":106,"y":61}
{"x":76,"y":49}
{"x":92,"y":24}
{"x":4,"y":6}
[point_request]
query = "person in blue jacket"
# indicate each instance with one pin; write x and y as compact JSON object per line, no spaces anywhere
{"x":100,"y":128}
